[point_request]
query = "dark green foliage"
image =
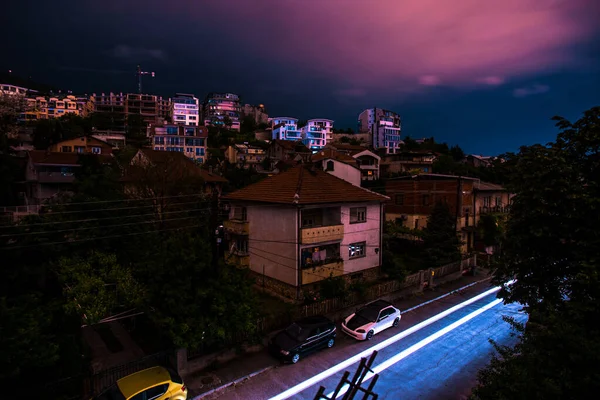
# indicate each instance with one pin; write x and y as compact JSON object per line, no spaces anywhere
{"x":552,"y":248}
{"x":442,"y":244}
{"x":333,"y":287}
{"x":393,"y":266}
{"x":490,"y":229}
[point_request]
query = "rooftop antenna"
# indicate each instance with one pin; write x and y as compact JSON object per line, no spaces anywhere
{"x":139,"y":74}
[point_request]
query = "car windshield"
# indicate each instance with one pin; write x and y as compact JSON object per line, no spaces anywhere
{"x":295,"y":331}
{"x":368,"y":313}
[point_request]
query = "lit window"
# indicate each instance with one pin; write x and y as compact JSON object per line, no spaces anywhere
{"x":356,"y":250}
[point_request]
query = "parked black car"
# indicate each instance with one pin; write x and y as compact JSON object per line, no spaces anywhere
{"x":302,"y":337}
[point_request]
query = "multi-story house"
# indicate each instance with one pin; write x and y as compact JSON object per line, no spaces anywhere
{"x":49,"y":173}
{"x":367,"y":161}
{"x":245,"y":155}
{"x":285,"y":128}
{"x":294,"y":229}
{"x":150,"y":108}
{"x":412,"y":199}
{"x":190,"y":140}
{"x":218,"y":106}
{"x":316,"y":132}
{"x":82,"y":144}
{"x":337,"y":164}
{"x":59,"y":106}
{"x":258,"y":113}
{"x":384,"y":127}
{"x":185,"y":110}
{"x":408,"y":161}
{"x":284,"y":150}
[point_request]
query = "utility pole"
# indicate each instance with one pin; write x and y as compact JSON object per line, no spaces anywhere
{"x":214,"y":222}
{"x":355,"y":384}
{"x":139,"y":74}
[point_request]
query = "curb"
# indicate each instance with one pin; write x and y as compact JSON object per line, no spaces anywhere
{"x":445,"y":295}
{"x":253,"y":374}
{"x":233,"y":383}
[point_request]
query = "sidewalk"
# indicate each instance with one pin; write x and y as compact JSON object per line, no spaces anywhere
{"x":205,"y":384}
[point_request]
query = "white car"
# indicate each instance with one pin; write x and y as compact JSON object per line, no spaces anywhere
{"x":371,"y":319}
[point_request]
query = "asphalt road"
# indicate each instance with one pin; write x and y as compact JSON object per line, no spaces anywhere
{"x":439,"y":368}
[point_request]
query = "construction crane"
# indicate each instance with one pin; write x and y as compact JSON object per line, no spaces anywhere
{"x":139,"y":74}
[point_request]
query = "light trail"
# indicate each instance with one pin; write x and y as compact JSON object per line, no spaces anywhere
{"x":417,"y":346}
{"x":352,"y":360}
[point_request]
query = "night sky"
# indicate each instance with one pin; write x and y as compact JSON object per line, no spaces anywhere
{"x":487,"y":75}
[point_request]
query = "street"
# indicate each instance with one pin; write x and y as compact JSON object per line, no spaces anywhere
{"x":423,"y":358}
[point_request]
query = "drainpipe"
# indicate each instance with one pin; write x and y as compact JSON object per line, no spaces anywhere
{"x":381,"y":224}
{"x":298,"y":255}
{"x":458,"y":201}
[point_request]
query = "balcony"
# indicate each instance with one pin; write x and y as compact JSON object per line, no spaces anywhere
{"x":494,"y":209}
{"x":237,"y":227}
{"x":56,"y":177}
{"x":240,"y":260}
{"x":319,"y":273}
{"x":322,"y":234}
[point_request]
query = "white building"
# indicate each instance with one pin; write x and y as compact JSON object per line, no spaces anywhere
{"x":185,"y":109}
{"x":384,"y":128}
{"x":338,"y":164}
{"x":285,"y":128}
{"x":304,"y":225}
{"x":14,"y":90}
{"x":316,"y":132}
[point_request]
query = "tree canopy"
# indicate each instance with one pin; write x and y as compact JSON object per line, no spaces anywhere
{"x":552,"y":249}
{"x":442,"y":244}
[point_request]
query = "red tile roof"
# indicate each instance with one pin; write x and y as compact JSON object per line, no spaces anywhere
{"x":311,"y":187}
{"x":334,"y":155}
{"x":490,"y":187}
{"x":44,"y":157}
{"x":292,"y":145}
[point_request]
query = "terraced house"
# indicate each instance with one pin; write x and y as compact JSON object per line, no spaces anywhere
{"x":304,"y":225}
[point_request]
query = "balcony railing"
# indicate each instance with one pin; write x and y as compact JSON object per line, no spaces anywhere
{"x":241,"y":260}
{"x":237,"y":227}
{"x":55,"y":177}
{"x":494,"y":209}
{"x":322,"y":234}
{"x":319,"y":273}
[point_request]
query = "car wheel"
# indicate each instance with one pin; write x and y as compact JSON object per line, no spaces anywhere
{"x":370,"y":335}
{"x":396,"y":322}
{"x":330,"y":343}
{"x":295,"y":358}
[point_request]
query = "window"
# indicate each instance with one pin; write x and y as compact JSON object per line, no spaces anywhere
{"x":156,"y":391}
{"x":240,"y":213}
{"x":241,"y":245}
{"x":425,"y":199}
{"x":498,"y":201}
{"x":416,"y":223}
{"x":330,"y":166}
{"x":79,"y":149}
{"x":66,"y":149}
{"x":487,"y":201}
{"x":357,"y":250}
{"x":358,"y":215}
{"x":385,"y":313}
{"x":96,"y":150}
{"x":399,"y":199}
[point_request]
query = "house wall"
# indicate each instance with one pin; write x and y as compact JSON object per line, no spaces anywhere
{"x":272,"y":241}
{"x":343,"y":171}
{"x":86,"y":142}
{"x":368,"y":231}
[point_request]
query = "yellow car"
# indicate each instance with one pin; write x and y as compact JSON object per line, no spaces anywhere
{"x":156,"y":383}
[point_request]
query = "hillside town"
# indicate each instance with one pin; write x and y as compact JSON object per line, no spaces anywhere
{"x":166,"y":231}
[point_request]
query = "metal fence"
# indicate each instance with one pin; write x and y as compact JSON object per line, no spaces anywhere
{"x":95,"y":383}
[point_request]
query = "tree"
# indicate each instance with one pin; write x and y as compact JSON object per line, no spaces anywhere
{"x":441,"y":242}
{"x":11,"y":108}
{"x":551,"y":248}
{"x":248,"y":124}
{"x":457,"y":153}
{"x":490,"y":229}
{"x":227,"y":122}
{"x":97,"y":286}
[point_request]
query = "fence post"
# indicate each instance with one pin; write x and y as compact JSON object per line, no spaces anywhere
{"x":430,"y":278}
{"x":421,"y":279}
{"x":474,"y":259}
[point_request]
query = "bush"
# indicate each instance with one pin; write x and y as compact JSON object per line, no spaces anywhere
{"x":333,"y":287}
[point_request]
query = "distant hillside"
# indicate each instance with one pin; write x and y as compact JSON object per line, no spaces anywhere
{"x":12,"y":79}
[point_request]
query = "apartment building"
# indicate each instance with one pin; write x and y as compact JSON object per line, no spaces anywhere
{"x":408,"y":161}
{"x":14,"y":90}
{"x":150,"y":108}
{"x":288,"y":150}
{"x":245,"y":155}
{"x":218,"y":106}
{"x":190,"y":140}
{"x":316,"y":132}
{"x":258,"y":113}
{"x":384,"y":128}
{"x":111,"y":108}
{"x":297,"y":228}
{"x":285,"y":128}
{"x":185,"y":109}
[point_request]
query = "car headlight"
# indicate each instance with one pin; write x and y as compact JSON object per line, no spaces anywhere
{"x":285,"y":353}
{"x":360,"y":330}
